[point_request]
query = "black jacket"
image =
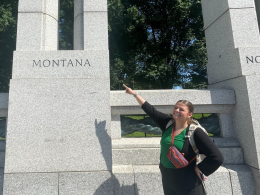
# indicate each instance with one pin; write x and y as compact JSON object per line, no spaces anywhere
{"x":203,"y":142}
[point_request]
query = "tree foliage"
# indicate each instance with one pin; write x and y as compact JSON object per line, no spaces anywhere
{"x":156,"y":44}
{"x":8,"y":18}
{"x":66,"y":25}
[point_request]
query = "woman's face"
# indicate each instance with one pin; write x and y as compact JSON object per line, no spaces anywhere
{"x":181,"y":112}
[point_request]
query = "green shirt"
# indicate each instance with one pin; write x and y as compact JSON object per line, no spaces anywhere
{"x":166,"y":143}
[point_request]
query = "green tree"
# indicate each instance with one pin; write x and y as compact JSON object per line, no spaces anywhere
{"x":157,"y":44}
{"x":8,"y":21}
{"x":66,"y":25}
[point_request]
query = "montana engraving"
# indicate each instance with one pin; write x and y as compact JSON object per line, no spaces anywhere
{"x":61,"y":63}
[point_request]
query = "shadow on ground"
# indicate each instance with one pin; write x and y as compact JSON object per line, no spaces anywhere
{"x":111,"y":185}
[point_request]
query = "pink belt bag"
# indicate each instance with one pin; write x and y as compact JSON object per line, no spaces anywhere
{"x":177,"y":158}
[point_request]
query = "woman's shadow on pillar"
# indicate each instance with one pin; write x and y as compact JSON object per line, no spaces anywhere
{"x":111,"y":185}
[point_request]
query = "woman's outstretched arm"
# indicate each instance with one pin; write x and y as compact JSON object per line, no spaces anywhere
{"x":139,"y":99}
{"x":159,"y":118}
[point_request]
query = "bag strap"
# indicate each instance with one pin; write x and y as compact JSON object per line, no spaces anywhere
{"x":193,"y":159}
{"x":193,"y":127}
{"x":173,"y":135}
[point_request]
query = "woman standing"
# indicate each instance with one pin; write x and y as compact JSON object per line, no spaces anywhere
{"x":187,"y":180}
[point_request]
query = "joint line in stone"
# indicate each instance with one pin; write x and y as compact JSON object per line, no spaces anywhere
{"x":58,"y":183}
{"x":230,"y":180}
{"x":31,"y":12}
{"x":242,"y":8}
{"x":87,"y":12}
{"x":51,"y":16}
{"x":78,"y":16}
{"x":135,"y":185}
{"x":252,"y":166}
{"x":93,"y":11}
{"x":37,"y":13}
{"x":224,"y":13}
{"x":58,"y":172}
{"x":229,"y":79}
{"x":216,"y":19}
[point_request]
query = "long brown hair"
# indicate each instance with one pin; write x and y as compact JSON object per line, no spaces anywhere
{"x":190,"y":107}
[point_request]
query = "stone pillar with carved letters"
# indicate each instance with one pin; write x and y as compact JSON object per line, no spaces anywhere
{"x":58,"y":134}
{"x":257,"y":7}
{"x":233,"y":46}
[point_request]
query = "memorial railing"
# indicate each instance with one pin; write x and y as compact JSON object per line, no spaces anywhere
{"x":213,"y":101}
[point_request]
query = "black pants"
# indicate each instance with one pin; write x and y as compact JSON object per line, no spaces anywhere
{"x":181,"y":181}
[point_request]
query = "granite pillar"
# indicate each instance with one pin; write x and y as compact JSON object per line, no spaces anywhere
{"x":37,"y":28}
{"x":59,"y":105}
{"x":257,"y":7}
{"x":233,"y":45}
{"x":90,"y":25}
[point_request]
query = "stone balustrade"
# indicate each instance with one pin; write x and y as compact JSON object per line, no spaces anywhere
{"x":217,"y":101}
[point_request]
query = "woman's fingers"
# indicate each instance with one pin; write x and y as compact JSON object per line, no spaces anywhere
{"x":199,"y":175}
{"x":127,"y":89}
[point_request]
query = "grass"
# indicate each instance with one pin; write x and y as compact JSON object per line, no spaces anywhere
{"x":142,"y":134}
{"x":198,"y":116}
{"x":137,"y":133}
{"x":138,"y":117}
{"x":2,"y":118}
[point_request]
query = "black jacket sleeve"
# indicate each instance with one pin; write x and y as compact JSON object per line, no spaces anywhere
{"x":159,"y":118}
{"x":205,"y":145}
